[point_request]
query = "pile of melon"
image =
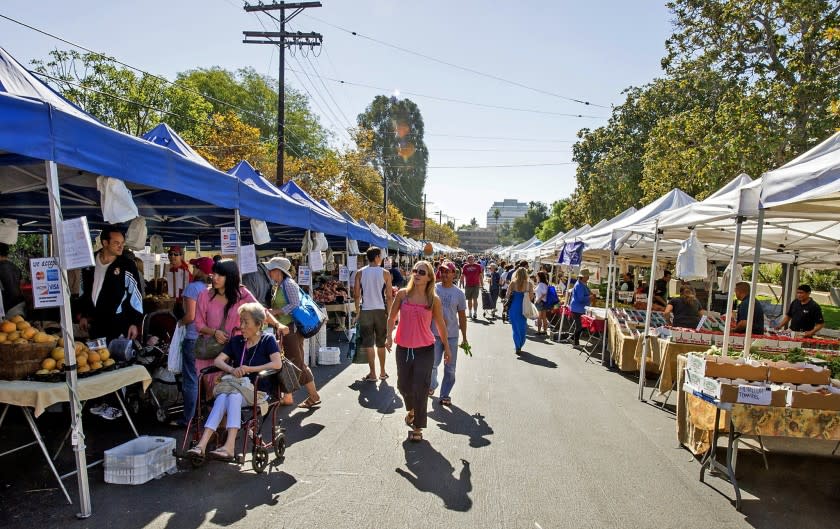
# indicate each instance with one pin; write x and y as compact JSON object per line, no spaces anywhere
{"x":18,"y":331}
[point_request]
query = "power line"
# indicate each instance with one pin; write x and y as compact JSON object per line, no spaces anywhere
{"x":457,"y":66}
{"x":502,"y":138}
{"x":464,"y":102}
{"x":499,"y":166}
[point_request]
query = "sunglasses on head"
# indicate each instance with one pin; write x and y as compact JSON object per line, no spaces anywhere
{"x":419,"y":271}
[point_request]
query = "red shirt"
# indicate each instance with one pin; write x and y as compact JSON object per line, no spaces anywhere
{"x":472,"y":274}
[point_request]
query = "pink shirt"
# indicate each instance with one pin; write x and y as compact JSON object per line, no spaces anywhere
{"x":209,"y":313}
{"x":415,"y":328}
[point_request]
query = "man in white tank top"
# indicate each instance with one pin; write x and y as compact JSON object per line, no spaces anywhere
{"x":372,"y":293}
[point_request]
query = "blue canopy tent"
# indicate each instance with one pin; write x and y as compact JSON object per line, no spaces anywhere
{"x":50,"y":149}
{"x":325,"y":220}
{"x":355,"y":231}
{"x":375,"y":238}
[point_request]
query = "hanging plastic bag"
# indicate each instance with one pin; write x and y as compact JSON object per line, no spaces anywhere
{"x":135,"y":237}
{"x":320,"y":242}
{"x":259,"y":232}
{"x":691,"y":261}
{"x":353,"y":247}
{"x":8,"y":231}
{"x":117,"y":203}
{"x":173,"y":363}
{"x":156,"y":244}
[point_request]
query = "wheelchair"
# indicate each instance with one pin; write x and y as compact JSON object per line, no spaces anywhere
{"x":251,"y":425}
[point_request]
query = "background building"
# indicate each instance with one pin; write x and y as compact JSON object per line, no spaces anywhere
{"x":509,"y":210}
{"x":477,"y":240}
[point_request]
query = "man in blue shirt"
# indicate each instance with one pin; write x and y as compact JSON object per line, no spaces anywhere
{"x":578,"y":303}
{"x":742,"y":292}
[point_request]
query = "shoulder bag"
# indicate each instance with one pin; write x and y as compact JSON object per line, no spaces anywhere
{"x":308,"y":316}
{"x":208,"y":348}
{"x":289,"y":376}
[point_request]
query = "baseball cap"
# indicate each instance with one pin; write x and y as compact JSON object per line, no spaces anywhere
{"x":449,"y":265}
{"x":175,"y":249}
{"x":205,"y":264}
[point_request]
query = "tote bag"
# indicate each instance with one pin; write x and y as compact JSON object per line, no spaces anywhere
{"x":173,"y":362}
{"x":529,"y":310}
{"x":308,"y":315}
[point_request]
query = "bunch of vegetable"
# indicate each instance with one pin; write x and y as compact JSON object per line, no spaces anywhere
{"x":466,"y":347}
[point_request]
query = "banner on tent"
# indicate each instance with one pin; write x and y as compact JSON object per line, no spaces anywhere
{"x":572,"y":253}
{"x":230,"y":240}
{"x":46,"y":282}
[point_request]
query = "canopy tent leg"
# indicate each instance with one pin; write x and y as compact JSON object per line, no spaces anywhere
{"x":739,"y":222}
{"x":237,"y":224}
{"x":712,"y":281}
{"x":568,"y":298}
{"x":656,"y":235}
{"x":77,"y":431}
{"x":754,"y":281}
{"x":610,"y":290}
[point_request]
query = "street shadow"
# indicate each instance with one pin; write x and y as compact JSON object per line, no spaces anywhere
{"x":454,"y":420}
{"x":429,"y":471}
{"x":536,"y":360}
{"x":296,"y":431}
{"x":379,"y":396}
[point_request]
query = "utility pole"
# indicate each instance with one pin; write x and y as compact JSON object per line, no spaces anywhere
{"x":282,"y":39}
{"x":440,"y":217}
{"x":385,"y":197}
{"x":424,"y":215}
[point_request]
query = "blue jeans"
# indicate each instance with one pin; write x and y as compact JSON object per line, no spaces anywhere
{"x":448,"y":369}
{"x":189,"y":378}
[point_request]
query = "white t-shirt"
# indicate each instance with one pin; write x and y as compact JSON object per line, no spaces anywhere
{"x":98,"y":278}
{"x":541,"y":291}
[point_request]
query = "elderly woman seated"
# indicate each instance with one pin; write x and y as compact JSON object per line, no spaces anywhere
{"x":244,"y":356}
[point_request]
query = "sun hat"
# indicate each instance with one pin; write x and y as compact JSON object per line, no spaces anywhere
{"x":584,"y":272}
{"x":279,"y":263}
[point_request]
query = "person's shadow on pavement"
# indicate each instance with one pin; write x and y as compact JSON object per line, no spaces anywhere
{"x":454,"y":420}
{"x":429,"y":471}
{"x":536,"y":360}
{"x":296,"y":431}
{"x":379,"y":396}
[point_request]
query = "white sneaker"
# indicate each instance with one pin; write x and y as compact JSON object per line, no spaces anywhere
{"x":111,"y":413}
{"x":99,"y":410}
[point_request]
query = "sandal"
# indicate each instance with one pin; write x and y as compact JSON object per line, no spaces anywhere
{"x":221,"y":453}
{"x":409,"y":419}
{"x":195,"y":451}
{"x":445,"y":401}
{"x":310,"y":403}
{"x":383,"y":376}
{"x":415,"y":437}
{"x":369,"y":378}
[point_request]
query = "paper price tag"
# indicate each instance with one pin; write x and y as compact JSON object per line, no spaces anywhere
{"x":754,"y":395}
{"x":343,"y":274}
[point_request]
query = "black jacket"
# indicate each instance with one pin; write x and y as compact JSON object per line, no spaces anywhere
{"x":120,"y":303}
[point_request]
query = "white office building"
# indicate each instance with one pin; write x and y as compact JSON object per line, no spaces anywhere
{"x":510,"y":209}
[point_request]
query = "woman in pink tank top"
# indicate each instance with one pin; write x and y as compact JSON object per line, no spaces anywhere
{"x":417,"y":307}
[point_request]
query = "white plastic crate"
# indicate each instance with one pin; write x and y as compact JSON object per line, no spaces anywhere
{"x":329,"y":356}
{"x":140,"y":460}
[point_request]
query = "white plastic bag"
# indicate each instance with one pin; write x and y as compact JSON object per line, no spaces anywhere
{"x":117,"y":203}
{"x":259,"y":232}
{"x":529,"y":310}
{"x":135,"y":237}
{"x":173,"y":364}
{"x":8,"y":231}
{"x":352,"y":247}
{"x":156,"y":244}
{"x":691,"y":261}
{"x":320,"y":242}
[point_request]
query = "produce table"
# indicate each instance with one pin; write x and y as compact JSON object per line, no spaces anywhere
{"x":622,"y":347}
{"x":37,"y":396}
{"x":700,"y":421}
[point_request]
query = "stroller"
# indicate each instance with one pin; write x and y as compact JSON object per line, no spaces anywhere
{"x":250,"y":430}
{"x":164,"y":394}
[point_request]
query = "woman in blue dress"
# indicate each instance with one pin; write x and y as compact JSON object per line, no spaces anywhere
{"x":518,"y":289}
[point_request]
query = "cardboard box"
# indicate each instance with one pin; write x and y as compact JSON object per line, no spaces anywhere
{"x":815,"y":401}
{"x":722,"y":368}
{"x":797,"y":376}
{"x":729,"y":393}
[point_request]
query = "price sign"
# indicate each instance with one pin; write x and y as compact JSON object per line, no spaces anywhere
{"x":247,"y":259}
{"x":344,"y":274}
{"x":230,"y":240}
{"x":304,"y":276}
{"x":759,"y":395}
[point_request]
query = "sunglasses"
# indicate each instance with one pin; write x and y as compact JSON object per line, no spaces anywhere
{"x":175,"y":255}
{"x":419,"y":271}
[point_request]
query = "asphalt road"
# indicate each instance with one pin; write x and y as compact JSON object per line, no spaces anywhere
{"x":545,"y":440}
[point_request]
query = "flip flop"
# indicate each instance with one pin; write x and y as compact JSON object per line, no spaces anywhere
{"x":195,"y":451}
{"x":383,"y":377}
{"x":221,"y":454}
{"x":415,"y":437}
{"x":368,"y":379}
{"x":445,"y":401}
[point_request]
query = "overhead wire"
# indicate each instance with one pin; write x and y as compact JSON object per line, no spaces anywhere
{"x":457,"y":66}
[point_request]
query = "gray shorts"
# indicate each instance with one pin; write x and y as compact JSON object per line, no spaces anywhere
{"x":472,"y":292}
{"x":373,"y":328}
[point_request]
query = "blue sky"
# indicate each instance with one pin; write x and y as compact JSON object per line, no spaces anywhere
{"x":583,"y":50}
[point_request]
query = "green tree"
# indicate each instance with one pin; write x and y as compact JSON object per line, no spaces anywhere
{"x":400,"y":152}
{"x":121,"y":98}
{"x":526,"y":227}
{"x":254,"y":99}
{"x":557,"y":220}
